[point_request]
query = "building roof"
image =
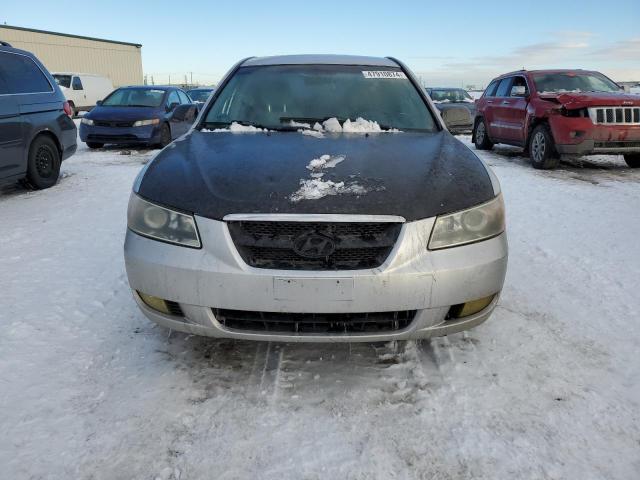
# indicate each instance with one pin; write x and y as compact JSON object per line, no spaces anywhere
{"x":320,"y":60}
{"x":11,"y":27}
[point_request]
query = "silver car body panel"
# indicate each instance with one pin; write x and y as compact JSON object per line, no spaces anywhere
{"x":320,"y":60}
{"x":412,"y":278}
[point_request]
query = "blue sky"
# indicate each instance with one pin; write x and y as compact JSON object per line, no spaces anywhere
{"x":446,"y":43}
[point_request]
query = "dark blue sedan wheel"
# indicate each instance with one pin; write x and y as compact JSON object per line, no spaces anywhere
{"x":165,"y":135}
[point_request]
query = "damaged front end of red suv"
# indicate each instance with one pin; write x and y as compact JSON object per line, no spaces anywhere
{"x":585,"y":123}
{"x":559,"y":112}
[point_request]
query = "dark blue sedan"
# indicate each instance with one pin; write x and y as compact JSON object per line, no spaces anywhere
{"x":200,"y":95}
{"x":145,"y":115}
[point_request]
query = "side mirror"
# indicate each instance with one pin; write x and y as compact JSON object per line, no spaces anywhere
{"x":519,"y":91}
{"x":99,"y":102}
{"x":456,"y":117}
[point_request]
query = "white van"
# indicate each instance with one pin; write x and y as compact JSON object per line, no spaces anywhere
{"x":83,"y":90}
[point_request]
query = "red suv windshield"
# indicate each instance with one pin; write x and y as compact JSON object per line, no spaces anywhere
{"x":573,"y":82}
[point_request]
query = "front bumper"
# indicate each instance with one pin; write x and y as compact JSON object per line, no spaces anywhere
{"x":412,"y":278}
{"x":580,"y":136}
{"x":149,"y":134}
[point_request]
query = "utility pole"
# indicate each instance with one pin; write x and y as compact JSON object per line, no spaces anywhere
{"x":169,"y":79}
{"x":191,"y":78}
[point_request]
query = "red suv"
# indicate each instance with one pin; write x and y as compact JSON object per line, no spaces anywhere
{"x":555,"y":112}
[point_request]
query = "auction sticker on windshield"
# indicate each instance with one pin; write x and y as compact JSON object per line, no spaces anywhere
{"x":383,"y":74}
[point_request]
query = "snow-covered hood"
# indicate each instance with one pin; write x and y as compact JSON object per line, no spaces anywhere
{"x":408,"y":174}
{"x":591,"y":99}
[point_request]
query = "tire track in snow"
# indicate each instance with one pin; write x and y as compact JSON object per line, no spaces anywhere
{"x":265,"y":375}
{"x":460,"y":366}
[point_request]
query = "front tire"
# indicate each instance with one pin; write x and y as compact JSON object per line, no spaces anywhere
{"x":43,"y":168}
{"x":481,"y":137}
{"x":632,"y":159}
{"x":542,"y":150}
{"x":165,"y":136}
{"x":95,"y":145}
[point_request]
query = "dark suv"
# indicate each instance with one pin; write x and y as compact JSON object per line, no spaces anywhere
{"x":36,"y":130}
{"x":556,"y":112}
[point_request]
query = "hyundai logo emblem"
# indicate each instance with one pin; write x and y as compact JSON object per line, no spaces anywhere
{"x":313,"y":245}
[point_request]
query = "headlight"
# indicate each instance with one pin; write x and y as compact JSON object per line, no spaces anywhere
{"x":87,"y":121}
{"x":142,"y":123}
{"x":160,"y":223}
{"x":469,"y":226}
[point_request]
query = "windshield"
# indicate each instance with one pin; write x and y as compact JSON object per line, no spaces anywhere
{"x":278,"y":96}
{"x":454,"y":96}
{"x":199,"y":95}
{"x":135,"y":97}
{"x":63,"y":80}
{"x":573,"y":82}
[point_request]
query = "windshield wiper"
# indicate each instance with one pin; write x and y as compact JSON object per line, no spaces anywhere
{"x":248,"y":123}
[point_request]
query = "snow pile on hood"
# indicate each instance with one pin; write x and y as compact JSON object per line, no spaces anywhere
{"x":236,"y":128}
{"x":317,"y":188}
{"x":331,"y":125}
{"x":359,"y":125}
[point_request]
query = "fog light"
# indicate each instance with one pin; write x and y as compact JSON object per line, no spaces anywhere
{"x":469,"y":308}
{"x":576,"y":134}
{"x":161,"y":305}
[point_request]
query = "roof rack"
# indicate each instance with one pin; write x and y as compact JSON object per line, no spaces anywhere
{"x":5,"y":44}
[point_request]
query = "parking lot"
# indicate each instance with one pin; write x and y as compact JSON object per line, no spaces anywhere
{"x":548,"y":387}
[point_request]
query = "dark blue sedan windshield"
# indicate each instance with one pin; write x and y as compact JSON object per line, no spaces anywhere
{"x":135,"y":97}
{"x":274,"y":96}
{"x":199,"y":95}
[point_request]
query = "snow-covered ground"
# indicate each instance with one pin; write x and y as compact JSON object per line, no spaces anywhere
{"x":549,"y":387}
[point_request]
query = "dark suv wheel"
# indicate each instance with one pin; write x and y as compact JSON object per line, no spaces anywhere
{"x":481,"y":137}
{"x":542,"y":150}
{"x":632,"y":159}
{"x":43,"y":168}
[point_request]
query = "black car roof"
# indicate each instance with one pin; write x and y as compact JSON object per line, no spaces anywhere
{"x":6,"y":47}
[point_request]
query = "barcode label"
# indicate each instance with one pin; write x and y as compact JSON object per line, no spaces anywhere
{"x":384,"y":74}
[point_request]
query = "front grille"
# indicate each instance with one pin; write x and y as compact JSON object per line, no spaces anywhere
{"x":112,"y":124}
{"x":281,"y":245}
{"x":315,"y":323}
{"x":615,"y":115}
